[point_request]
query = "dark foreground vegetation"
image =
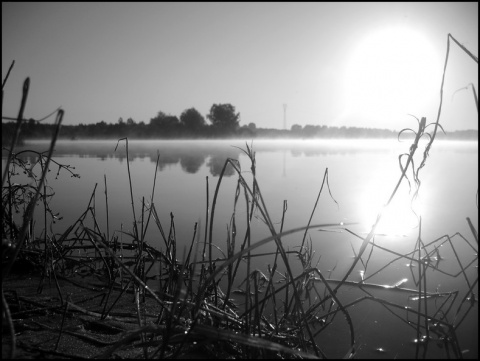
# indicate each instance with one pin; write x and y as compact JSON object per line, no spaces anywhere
{"x":141,"y":301}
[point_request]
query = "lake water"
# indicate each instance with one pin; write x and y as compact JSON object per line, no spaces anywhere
{"x":362,"y":175}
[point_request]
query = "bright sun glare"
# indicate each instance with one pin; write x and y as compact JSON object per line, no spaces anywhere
{"x":399,"y":218}
{"x":392,"y":72}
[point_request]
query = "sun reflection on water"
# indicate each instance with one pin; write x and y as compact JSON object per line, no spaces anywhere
{"x":397,"y":219}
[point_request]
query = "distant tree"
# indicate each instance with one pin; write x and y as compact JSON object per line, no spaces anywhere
{"x":296,"y":128}
{"x":130,"y":121}
{"x":310,"y":131}
{"x":224,"y":118}
{"x":164,"y":121}
{"x":165,"y":125}
{"x":322,"y":131}
{"x":120,"y":120}
{"x":246,"y":132}
{"x":252,"y":126}
{"x":171,"y":122}
{"x":158,"y":119}
{"x":192,"y":120}
{"x":101,"y":129}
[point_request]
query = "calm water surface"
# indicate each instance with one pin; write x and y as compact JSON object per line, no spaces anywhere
{"x":361,"y":175}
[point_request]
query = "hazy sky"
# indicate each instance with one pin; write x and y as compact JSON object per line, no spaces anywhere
{"x":352,"y":64}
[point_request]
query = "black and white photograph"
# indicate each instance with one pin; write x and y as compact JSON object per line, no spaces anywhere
{"x":239,"y":180}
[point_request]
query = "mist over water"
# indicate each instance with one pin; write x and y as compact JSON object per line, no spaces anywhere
{"x":362,"y":174}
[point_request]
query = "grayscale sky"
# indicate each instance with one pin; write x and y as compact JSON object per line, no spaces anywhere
{"x":335,"y":64}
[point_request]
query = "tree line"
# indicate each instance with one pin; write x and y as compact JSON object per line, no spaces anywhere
{"x":224,"y":122}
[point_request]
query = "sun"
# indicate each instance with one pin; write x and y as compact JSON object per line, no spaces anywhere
{"x":392,"y":72}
